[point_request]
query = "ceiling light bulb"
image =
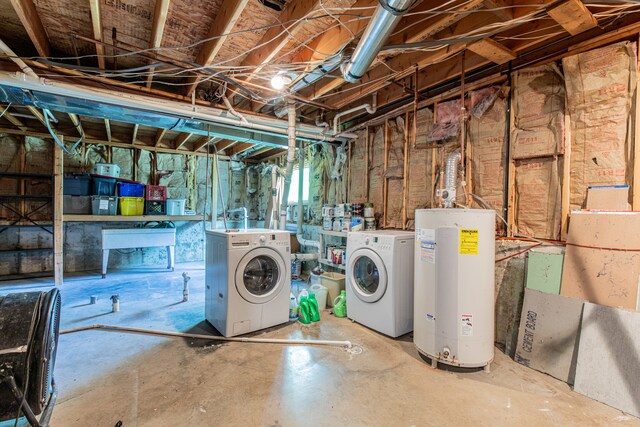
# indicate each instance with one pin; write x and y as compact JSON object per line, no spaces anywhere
{"x":279,"y":81}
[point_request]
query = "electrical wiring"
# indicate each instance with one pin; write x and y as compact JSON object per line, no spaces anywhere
{"x":5,"y":110}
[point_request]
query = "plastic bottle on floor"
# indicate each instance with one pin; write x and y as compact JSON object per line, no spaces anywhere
{"x":304,"y":314}
{"x":313,"y":307}
{"x":340,"y":305}
{"x":293,"y":307}
{"x":302,"y":294}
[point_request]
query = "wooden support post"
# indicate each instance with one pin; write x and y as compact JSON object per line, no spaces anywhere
{"x":511,"y":191}
{"x":136,"y":157}
{"x":346,"y":195}
{"x":22,"y":182}
{"x":214,"y":190}
{"x":405,"y":176}
{"x":636,"y":150}
{"x":385,"y":185}
{"x":58,"y":225}
{"x":566,"y":178}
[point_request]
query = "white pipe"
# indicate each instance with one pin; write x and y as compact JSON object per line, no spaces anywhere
{"x":291,"y":157}
{"x":305,"y":257}
{"x":246,"y":216}
{"x":127,"y":329}
{"x":371,"y":108}
{"x":233,"y":112}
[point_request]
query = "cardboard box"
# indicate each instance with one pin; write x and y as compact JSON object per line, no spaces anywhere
{"x":608,"y":198}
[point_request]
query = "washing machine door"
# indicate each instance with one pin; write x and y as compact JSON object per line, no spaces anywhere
{"x":368,"y":275}
{"x":260,"y":275}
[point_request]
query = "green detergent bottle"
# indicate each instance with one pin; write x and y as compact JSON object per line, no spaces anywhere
{"x":313,"y":307}
{"x":304,"y":312}
{"x":340,"y":305}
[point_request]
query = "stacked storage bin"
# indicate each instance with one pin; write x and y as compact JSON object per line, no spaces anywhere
{"x":76,"y":194}
{"x":156,"y":200}
{"x":131,"y":198}
{"x":103,"y":199}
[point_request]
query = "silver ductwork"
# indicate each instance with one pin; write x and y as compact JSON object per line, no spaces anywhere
{"x":451,"y":179}
{"x":382,"y":24}
{"x":307,"y":79}
{"x":25,"y":90}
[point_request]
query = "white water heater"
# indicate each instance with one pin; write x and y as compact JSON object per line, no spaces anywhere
{"x":454,"y":286}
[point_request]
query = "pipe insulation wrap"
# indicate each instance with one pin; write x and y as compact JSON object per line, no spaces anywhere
{"x":384,"y":21}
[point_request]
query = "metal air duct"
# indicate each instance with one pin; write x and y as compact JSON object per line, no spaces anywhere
{"x":382,"y":24}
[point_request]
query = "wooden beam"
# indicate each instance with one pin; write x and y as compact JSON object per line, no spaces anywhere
{"x":259,"y":151}
{"x":38,"y":115}
{"x":277,"y":152}
{"x":224,"y":144}
{"x":14,"y":120}
{"x":58,"y":225}
{"x":75,"y":119}
{"x":276,"y":38}
{"x":107,"y":128}
{"x":241,"y":148}
{"x":203,"y":141}
{"x":159,"y":135}
{"x":573,"y":16}
{"x":501,"y":8}
{"x":182,"y":139}
{"x":223,"y":24}
{"x":157,"y":29}
{"x":26,"y":11}
{"x":335,"y":39}
{"x":418,"y":29}
{"x":492,"y":50}
{"x":134,"y":134}
{"x":96,"y":22}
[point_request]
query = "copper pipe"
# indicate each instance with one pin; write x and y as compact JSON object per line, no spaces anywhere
{"x":366,"y":165}
{"x":385,"y":185}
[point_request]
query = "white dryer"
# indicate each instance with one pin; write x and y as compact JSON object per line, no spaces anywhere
{"x":380,"y":280}
{"x":247,"y":279}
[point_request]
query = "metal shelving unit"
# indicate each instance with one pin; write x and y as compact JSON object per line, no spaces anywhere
{"x":324,"y":261}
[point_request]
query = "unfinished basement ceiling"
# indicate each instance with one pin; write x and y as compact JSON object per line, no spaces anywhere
{"x":199,"y":51}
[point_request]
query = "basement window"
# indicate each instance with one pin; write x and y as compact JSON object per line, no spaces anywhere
{"x":295,"y":183}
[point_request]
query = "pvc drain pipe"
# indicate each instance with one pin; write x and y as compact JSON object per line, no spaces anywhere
{"x":110,"y":328}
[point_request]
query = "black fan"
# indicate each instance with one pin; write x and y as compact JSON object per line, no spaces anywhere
{"x":29,"y":325}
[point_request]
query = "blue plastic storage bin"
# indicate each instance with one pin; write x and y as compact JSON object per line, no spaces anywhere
{"x":130,"y":189}
{"x":104,"y":186}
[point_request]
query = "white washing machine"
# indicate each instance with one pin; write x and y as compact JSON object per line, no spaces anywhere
{"x":380,"y":280}
{"x":247,"y":279}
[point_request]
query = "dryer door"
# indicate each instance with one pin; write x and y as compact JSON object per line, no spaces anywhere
{"x":368,"y":278}
{"x":260,"y":275}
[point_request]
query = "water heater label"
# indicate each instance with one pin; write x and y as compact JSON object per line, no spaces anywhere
{"x":426,"y":238}
{"x":468,"y":241}
{"x":466,"y":326}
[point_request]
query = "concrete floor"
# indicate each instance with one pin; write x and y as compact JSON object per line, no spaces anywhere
{"x":106,"y":377}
